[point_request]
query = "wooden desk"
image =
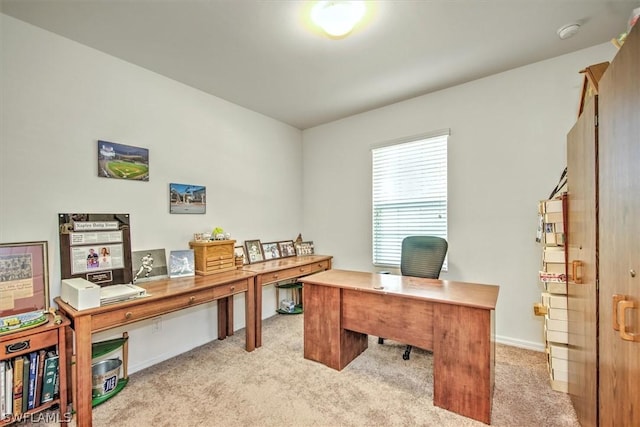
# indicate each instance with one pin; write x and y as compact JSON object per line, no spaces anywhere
{"x":165,"y":296}
{"x":277,"y":270}
{"x":454,"y":319}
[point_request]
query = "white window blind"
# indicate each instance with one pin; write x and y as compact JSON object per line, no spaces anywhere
{"x":409,"y":195}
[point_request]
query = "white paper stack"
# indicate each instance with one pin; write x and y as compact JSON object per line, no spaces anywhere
{"x":117,"y":293}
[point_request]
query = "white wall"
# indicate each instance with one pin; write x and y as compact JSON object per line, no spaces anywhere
{"x":507,"y":149}
{"x":506,"y":152}
{"x":59,"y":97}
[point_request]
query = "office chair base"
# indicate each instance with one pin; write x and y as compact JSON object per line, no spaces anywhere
{"x":407,"y":353}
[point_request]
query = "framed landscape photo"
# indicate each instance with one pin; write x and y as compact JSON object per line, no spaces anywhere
{"x":270,"y":250}
{"x":254,"y":251}
{"x":181,"y":263}
{"x":286,"y":248}
{"x":304,"y":248}
{"x":121,"y":161}
{"x":187,"y":199}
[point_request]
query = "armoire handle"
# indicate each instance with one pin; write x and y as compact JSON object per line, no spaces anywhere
{"x":575,"y":266}
{"x":622,"y":306}
{"x":614,"y":312}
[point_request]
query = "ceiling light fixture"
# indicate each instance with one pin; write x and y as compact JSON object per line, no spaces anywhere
{"x":337,"y":18}
{"x":568,"y":30}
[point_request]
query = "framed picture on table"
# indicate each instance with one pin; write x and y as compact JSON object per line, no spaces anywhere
{"x":286,"y":248}
{"x":304,"y":248}
{"x":270,"y":250}
{"x":254,"y":251}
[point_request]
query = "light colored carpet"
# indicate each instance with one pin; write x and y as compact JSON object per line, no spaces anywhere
{"x":220,"y":384}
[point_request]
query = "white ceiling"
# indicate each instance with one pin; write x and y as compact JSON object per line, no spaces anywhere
{"x":265,"y":56}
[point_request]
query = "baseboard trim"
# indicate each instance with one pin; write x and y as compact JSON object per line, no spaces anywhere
{"x":528,"y":345}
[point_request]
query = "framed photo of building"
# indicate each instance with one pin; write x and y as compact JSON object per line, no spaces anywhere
{"x":187,"y":199}
{"x":254,"y":251}
{"x":270,"y":250}
{"x":286,"y":248}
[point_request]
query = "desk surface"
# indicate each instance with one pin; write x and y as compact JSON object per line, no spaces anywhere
{"x":284,"y":263}
{"x":442,"y":291}
{"x":162,"y":289}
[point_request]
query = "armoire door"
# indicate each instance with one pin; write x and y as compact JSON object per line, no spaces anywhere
{"x":619,"y":237}
{"x":582,"y":302}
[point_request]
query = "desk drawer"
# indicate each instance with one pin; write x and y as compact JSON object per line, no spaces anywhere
{"x":150,"y":309}
{"x":220,"y":263}
{"x":292,"y":272}
{"x":230,"y":289}
{"x":28,"y":344}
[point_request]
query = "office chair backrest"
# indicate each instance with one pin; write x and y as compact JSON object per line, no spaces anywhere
{"x":423,"y":256}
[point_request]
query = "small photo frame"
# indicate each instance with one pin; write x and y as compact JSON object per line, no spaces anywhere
{"x":304,"y":248}
{"x":181,"y":263}
{"x":254,"y":251}
{"x":270,"y":250}
{"x":286,"y":248}
{"x":240,"y":252}
{"x":187,"y":199}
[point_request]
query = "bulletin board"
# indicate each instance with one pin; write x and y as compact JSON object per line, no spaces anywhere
{"x":95,"y":247}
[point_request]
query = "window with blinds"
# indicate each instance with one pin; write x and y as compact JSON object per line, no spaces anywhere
{"x":409,"y":195}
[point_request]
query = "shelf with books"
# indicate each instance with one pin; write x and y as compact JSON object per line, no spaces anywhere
{"x":33,"y":374}
{"x":553,"y":279}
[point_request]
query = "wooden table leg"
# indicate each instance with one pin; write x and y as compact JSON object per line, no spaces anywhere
{"x":83,"y":393}
{"x":463,"y":360}
{"x":222,"y":318}
{"x":250,"y":316}
{"x":258,"y":310}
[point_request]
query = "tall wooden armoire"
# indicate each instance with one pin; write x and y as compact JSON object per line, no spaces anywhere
{"x":603,"y":238}
{"x":619,"y":237}
{"x":582,"y":248}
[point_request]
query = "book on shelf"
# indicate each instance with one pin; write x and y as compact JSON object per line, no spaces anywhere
{"x":3,"y":402}
{"x":42,"y":354}
{"x":49,"y":377}
{"x":18,"y":376}
{"x":8,"y":376}
{"x":26,"y":369}
{"x":33,"y":374}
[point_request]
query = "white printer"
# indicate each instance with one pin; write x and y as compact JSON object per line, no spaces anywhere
{"x":80,"y":293}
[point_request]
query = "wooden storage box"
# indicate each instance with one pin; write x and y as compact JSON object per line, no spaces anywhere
{"x":213,"y":256}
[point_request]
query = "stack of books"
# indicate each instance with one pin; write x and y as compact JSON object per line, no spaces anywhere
{"x":553,"y":278}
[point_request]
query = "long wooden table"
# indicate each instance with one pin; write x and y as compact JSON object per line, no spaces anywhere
{"x":279,"y":270}
{"x":454,"y":319}
{"x":165,"y":296}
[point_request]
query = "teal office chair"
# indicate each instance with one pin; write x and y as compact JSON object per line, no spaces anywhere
{"x":421,"y":256}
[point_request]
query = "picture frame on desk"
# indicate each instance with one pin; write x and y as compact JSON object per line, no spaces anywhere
{"x":254,"y":251}
{"x":240,"y":252}
{"x":304,"y":248}
{"x":270,"y":250}
{"x":181,"y":263}
{"x":286,"y":248}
